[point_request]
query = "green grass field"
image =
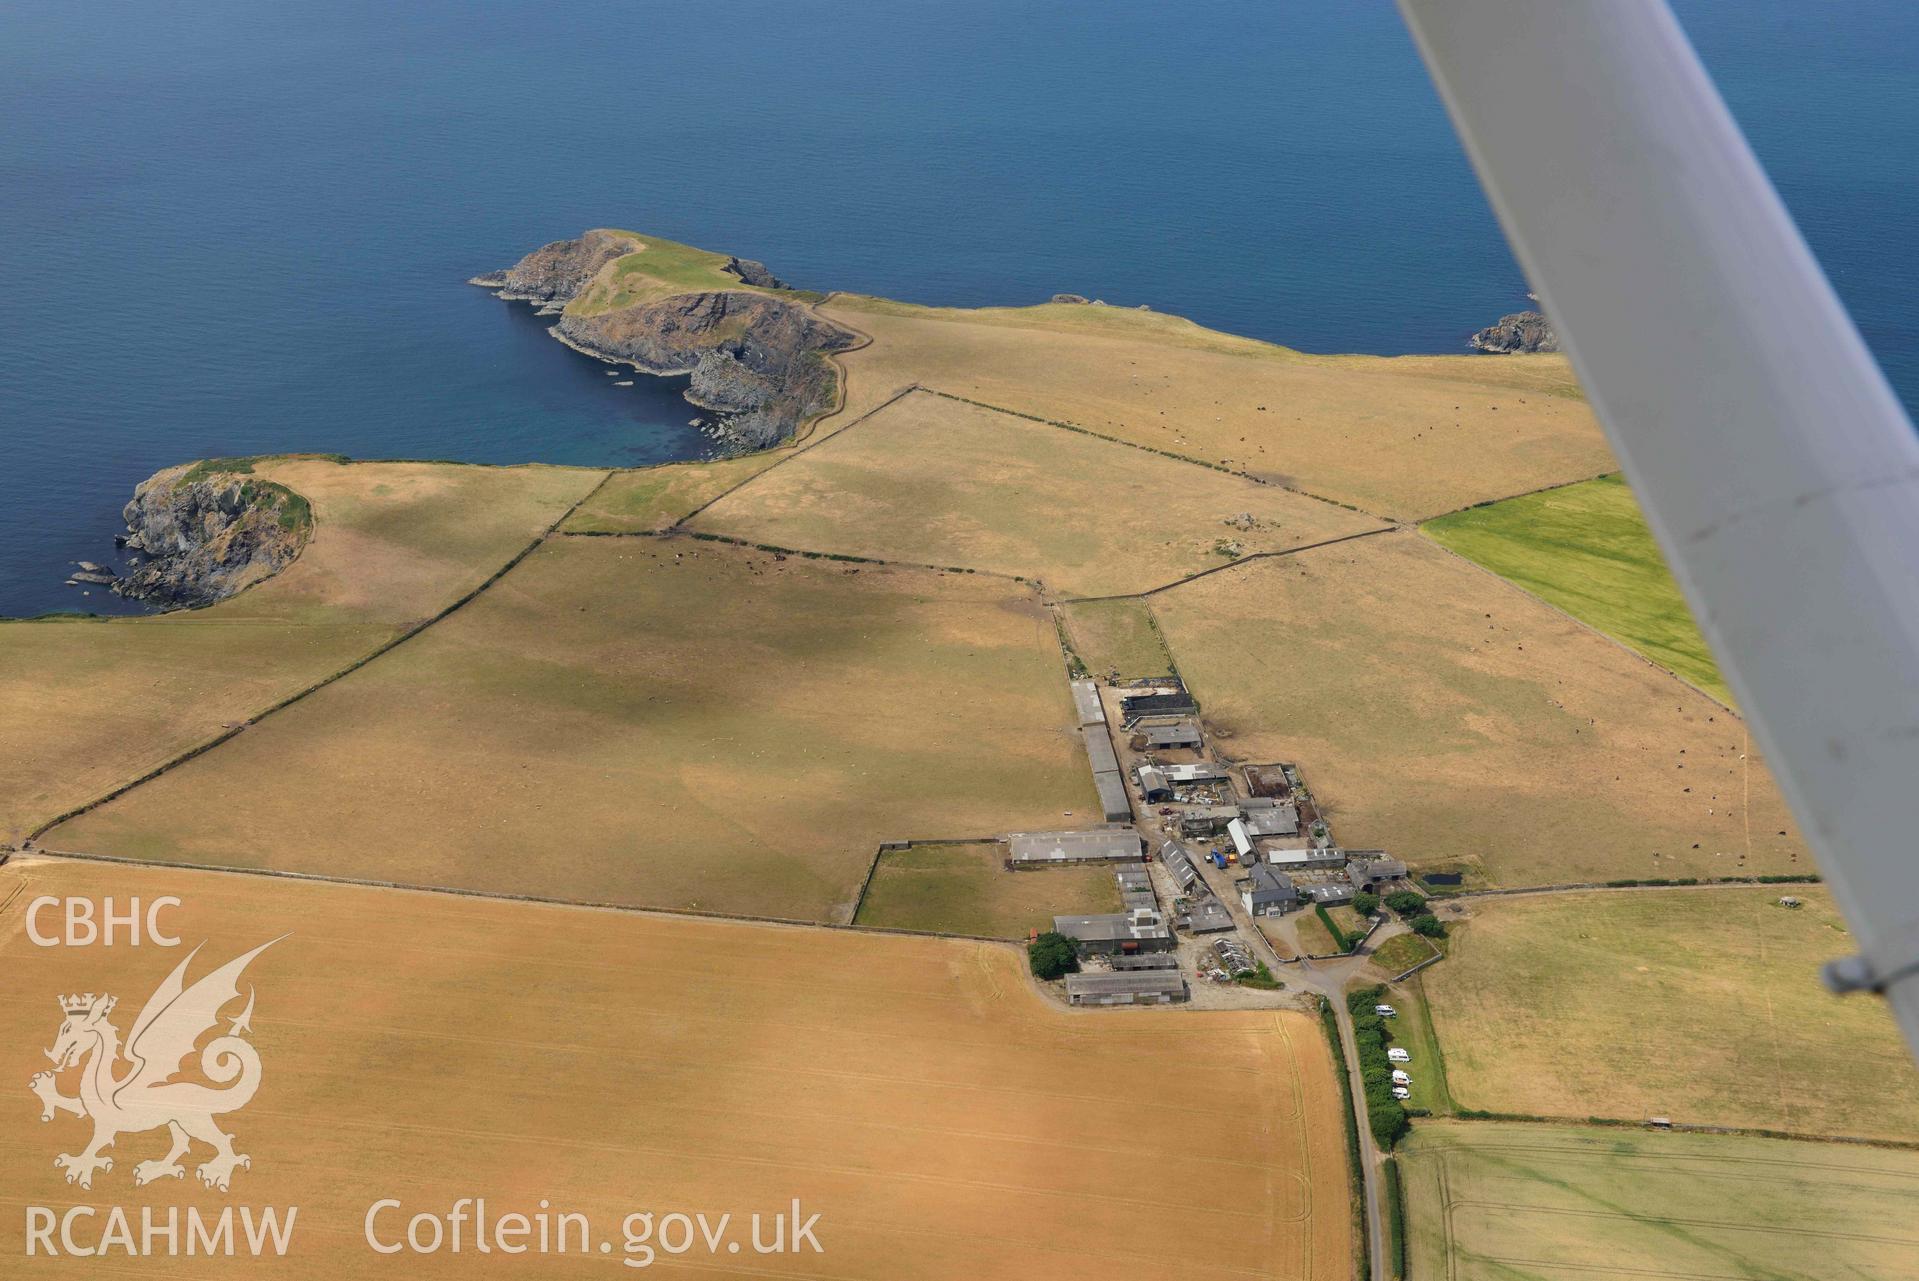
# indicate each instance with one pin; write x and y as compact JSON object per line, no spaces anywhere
{"x":1400,"y":953}
{"x":1505,"y":1202}
{"x":1586,"y":549}
{"x":1710,"y":997}
{"x":966,"y":889}
{"x":1117,"y":636}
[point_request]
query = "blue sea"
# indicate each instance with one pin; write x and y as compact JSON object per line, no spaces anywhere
{"x":242,"y":226}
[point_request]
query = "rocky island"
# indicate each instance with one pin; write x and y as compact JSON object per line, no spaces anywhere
{"x":1520,"y":331}
{"x":753,"y":345}
{"x":206,"y":531}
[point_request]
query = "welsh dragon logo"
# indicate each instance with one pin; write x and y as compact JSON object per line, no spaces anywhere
{"x":144,"y":1095}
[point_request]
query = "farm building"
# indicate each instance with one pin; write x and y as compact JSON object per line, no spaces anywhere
{"x":1153,"y":785}
{"x":1086,"y":701}
{"x":1147,"y":961}
{"x":1242,"y":840}
{"x":1304,"y":859}
{"x":1106,"y":776}
{"x":1177,"y":704}
{"x":1115,"y":932}
{"x":1197,"y":773}
{"x":1268,"y":893}
{"x":1367,"y":868}
{"x":1206,"y":820}
{"x":1138,"y":987}
{"x":1206,"y":916}
{"x":1179,"y":865}
{"x":1271,"y":819}
{"x":1134,"y":880}
{"x":1182,"y":733}
{"x":1099,"y":750}
{"x":1331,"y":893}
{"x":1091,"y":845}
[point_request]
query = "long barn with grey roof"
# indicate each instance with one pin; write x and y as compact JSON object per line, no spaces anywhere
{"x":1089,"y":845}
{"x":1086,"y":701}
{"x":1137,"y":987}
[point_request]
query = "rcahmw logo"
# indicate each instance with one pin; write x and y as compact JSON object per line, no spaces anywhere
{"x":129,"y":1087}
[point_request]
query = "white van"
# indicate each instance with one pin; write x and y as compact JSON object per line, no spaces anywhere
{"x":1401,"y":1092}
{"x":1398,"y":1055}
{"x":1400,"y":1078}
{"x":1384,"y":1011}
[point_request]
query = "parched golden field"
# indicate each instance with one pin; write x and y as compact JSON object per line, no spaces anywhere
{"x":1711,"y":995}
{"x":1441,"y":714}
{"x":1497,"y":1202}
{"x":90,"y":705}
{"x":967,"y":889}
{"x":650,"y":499}
{"x":1401,"y":437}
{"x":1116,"y":636}
{"x":661,"y":722}
{"x":941,"y":1117}
{"x":936,"y":481}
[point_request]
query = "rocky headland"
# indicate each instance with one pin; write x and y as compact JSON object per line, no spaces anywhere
{"x":555,"y":274}
{"x":758,"y":359}
{"x":204,"y":532}
{"x":1520,"y":331}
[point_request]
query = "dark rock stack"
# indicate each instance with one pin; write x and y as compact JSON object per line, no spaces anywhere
{"x":1521,"y":331}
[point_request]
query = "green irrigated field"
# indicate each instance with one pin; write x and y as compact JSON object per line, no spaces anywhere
{"x":1505,"y":1202}
{"x":1586,"y":549}
{"x":937,"y":481}
{"x":1117,"y":636}
{"x":966,"y":889}
{"x":89,"y":706}
{"x":1703,"y":1005}
{"x":652,"y":721}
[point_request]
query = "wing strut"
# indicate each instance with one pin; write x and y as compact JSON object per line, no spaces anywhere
{"x":1777,"y":469}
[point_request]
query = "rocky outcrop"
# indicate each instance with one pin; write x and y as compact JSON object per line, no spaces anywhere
{"x":208,"y":531}
{"x":754,"y":273}
{"x":1521,"y":331}
{"x":758,"y":360}
{"x":555,"y":274}
{"x":1072,"y":298}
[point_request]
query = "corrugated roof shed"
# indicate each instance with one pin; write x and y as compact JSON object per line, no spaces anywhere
{"x":1086,"y":700}
{"x":1198,"y":773}
{"x":1092,"y":845}
{"x":1181,"y":733}
{"x":1109,"y":927}
{"x":1112,"y":796}
{"x":1126,"y":986}
{"x":1272,"y":820}
{"x":1179,"y":865}
{"x":1134,"y":878}
{"x":1208,"y":916}
{"x":1099,"y":750}
{"x":1156,"y":704}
